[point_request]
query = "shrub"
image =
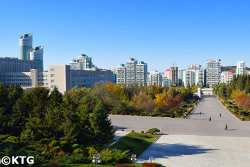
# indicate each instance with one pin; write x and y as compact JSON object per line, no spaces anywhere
{"x":142,"y":131}
{"x":54,"y":143}
{"x":113,"y":156}
{"x":145,"y":164}
{"x":133,"y":131}
{"x":75,"y":159}
{"x":124,"y":165}
{"x":153,"y":131}
{"x":56,"y":148}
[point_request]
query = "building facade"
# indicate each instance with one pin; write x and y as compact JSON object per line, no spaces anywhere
{"x":25,"y":44}
{"x":121,"y":75}
{"x":141,"y":73}
{"x":131,"y":71}
{"x":10,"y":64}
{"x":173,"y":75}
{"x":226,"y":76}
{"x":241,"y":68}
{"x":81,"y":63}
{"x":213,"y":71}
{"x":36,"y":54}
{"x":59,"y":76}
{"x":154,"y":78}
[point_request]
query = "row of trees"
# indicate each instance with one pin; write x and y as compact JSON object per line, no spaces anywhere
{"x":238,"y":90}
{"x":50,"y":123}
{"x":146,"y":100}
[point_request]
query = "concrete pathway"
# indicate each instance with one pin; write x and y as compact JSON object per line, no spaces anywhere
{"x":199,"y":151}
{"x":196,"y":141}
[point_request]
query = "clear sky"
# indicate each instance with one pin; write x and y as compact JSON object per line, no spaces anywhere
{"x":159,"y":32}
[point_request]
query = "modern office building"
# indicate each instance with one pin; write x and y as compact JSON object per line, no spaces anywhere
{"x":10,"y":64}
{"x":154,"y":78}
{"x":226,"y":76}
{"x":25,"y":44}
{"x":121,"y":75}
{"x":166,"y":82}
{"x":57,"y":75}
{"x":131,"y":71}
{"x":173,"y":75}
{"x":81,"y":63}
{"x":241,"y":68}
{"x":36,"y":54}
{"x":141,"y":73}
{"x":213,"y":72}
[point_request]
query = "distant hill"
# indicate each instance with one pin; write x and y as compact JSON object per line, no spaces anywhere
{"x":231,"y":68}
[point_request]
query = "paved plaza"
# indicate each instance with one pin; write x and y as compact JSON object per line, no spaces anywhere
{"x":195,"y":141}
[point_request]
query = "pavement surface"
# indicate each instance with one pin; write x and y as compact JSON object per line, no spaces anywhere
{"x":195,"y":141}
{"x":199,"y":151}
{"x":196,"y":124}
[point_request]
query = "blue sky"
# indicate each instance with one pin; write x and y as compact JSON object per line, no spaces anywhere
{"x":159,"y":32}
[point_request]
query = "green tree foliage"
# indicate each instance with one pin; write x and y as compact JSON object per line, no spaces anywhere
{"x":101,"y":125}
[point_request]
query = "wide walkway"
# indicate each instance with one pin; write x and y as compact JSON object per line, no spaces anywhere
{"x":195,"y":141}
{"x":196,"y":124}
{"x":199,"y":151}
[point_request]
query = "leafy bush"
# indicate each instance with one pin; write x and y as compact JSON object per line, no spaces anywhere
{"x":113,"y":156}
{"x":153,"y":131}
{"x":124,"y":165}
{"x":75,"y":159}
{"x":145,"y":164}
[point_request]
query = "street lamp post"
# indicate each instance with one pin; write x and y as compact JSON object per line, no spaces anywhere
{"x":133,"y":158}
{"x":96,"y":159}
{"x":151,"y":159}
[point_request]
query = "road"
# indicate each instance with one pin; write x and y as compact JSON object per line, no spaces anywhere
{"x":195,"y":141}
{"x":196,"y":124}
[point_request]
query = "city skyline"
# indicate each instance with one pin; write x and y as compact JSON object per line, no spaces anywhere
{"x":159,"y":33}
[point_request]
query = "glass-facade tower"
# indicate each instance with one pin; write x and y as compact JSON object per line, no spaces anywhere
{"x":25,"y":44}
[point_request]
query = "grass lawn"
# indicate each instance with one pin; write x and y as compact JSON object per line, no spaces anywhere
{"x":136,"y":142}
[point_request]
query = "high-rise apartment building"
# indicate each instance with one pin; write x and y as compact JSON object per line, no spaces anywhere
{"x":154,"y":78}
{"x":36,"y":54}
{"x":226,"y":76}
{"x":174,"y":75}
{"x":141,"y":73}
{"x":121,"y":75}
{"x":131,"y":71}
{"x":194,"y":75}
{"x":81,"y":63}
{"x":25,"y":44}
{"x":213,"y":71}
{"x":241,"y":68}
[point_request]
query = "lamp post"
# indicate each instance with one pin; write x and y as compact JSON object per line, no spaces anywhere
{"x":151,"y":159}
{"x":96,"y":159}
{"x":133,"y":158}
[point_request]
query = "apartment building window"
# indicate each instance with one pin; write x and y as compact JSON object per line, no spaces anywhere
{"x":52,"y":81}
{"x":52,"y":75}
{"x":52,"y":86}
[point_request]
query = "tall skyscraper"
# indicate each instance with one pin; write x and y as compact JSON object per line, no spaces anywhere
{"x":25,"y":44}
{"x":213,"y":71}
{"x":131,"y":71}
{"x":121,"y":75}
{"x":36,"y":54}
{"x":141,"y":73}
{"x":173,"y":76}
{"x":241,"y":68}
